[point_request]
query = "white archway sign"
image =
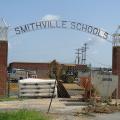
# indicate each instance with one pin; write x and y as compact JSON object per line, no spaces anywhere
{"x":61,"y":24}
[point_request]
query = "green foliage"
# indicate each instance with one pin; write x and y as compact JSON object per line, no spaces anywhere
{"x":70,"y":79}
{"x":10,"y":99}
{"x":22,"y":115}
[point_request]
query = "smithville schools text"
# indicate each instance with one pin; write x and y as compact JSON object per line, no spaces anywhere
{"x":51,"y":24}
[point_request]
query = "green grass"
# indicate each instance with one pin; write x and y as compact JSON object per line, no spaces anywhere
{"x":23,"y":115}
{"x":10,"y":99}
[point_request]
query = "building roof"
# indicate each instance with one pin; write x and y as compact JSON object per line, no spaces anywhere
{"x":29,"y":65}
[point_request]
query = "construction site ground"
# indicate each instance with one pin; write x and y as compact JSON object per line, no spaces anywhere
{"x":61,"y":109}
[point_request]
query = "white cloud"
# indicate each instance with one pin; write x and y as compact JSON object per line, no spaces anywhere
{"x":94,"y":40}
{"x":51,"y":17}
{"x":101,"y":40}
{"x":9,"y":45}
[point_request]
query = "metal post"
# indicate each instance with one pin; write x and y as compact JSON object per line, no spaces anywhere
{"x":117,"y":95}
{"x":53,"y":93}
{"x":8,"y":85}
{"x":90,"y":79}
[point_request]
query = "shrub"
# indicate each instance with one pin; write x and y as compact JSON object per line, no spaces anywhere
{"x":70,"y":79}
{"x":22,"y":115}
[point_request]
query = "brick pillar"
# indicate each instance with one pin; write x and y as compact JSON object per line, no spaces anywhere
{"x":116,"y":65}
{"x":3,"y":67}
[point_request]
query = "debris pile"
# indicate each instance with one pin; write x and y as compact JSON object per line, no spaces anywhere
{"x":101,"y":108}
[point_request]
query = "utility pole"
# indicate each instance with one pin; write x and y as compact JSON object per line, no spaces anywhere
{"x":78,"y":55}
{"x":84,"y":53}
{"x":81,"y":51}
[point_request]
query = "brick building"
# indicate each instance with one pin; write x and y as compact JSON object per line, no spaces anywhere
{"x":42,"y":69}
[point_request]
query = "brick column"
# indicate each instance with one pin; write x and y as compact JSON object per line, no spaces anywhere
{"x":3,"y":67}
{"x":116,"y":65}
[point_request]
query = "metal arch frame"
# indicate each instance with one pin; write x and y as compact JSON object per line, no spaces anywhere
{"x":3,"y":29}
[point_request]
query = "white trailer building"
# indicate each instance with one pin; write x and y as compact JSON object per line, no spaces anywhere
{"x":105,"y":84}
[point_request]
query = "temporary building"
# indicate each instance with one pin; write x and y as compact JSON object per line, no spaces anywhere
{"x":105,"y":84}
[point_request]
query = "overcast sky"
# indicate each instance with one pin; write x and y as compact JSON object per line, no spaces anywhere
{"x":60,"y":44}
